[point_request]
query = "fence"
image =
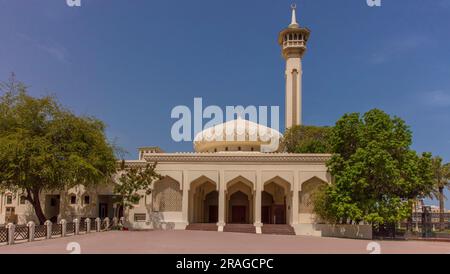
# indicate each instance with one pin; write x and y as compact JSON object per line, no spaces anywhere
{"x":421,"y":225}
{"x":11,"y":233}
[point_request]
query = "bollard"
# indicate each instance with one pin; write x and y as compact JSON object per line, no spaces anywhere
{"x":49,"y":229}
{"x":98,"y":221}
{"x":106,"y":220}
{"x":31,"y":228}
{"x":11,"y":229}
{"x":77,"y":226}
{"x":88,"y":225}
{"x":63,"y":223}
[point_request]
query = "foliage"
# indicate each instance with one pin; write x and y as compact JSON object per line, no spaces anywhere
{"x":306,"y":139}
{"x":376,"y":174}
{"x":44,"y":146}
{"x":135,"y":180}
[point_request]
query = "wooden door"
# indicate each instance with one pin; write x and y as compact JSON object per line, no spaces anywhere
{"x":213,"y":214}
{"x":238,"y":214}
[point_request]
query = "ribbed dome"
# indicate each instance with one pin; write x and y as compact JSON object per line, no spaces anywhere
{"x":237,"y":135}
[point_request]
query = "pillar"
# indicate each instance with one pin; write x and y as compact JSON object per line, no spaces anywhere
{"x":295,"y":200}
{"x":221,"y":183}
{"x":257,"y":209}
{"x":185,"y":201}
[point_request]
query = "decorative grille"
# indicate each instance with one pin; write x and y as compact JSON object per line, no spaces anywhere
{"x":21,"y":232}
{"x":40,"y":231}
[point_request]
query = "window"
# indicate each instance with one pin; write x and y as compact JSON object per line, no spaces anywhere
{"x":52,"y":202}
{"x":22,"y":200}
{"x":73,"y":199}
{"x":239,"y":148}
{"x":87,"y":199}
{"x":140,"y":217}
{"x":9,"y":199}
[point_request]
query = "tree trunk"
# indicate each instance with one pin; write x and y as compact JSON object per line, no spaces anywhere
{"x":33,"y":198}
{"x":441,"y":208}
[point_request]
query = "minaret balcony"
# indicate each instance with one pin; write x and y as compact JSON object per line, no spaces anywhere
{"x":294,"y":44}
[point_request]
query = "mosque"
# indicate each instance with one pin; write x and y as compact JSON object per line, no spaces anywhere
{"x":229,"y":183}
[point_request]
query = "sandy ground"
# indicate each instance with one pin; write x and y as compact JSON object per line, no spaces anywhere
{"x":200,"y":242}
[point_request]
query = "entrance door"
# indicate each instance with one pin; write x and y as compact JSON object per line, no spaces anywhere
{"x":213,"y":214}
{"x":279,"y":214}
{"x":238,"y":214}
{"x":103,"y":210}
{"x":265,"y":215}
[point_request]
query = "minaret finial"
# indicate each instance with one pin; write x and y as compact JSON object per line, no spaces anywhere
{"x":294,"y":23}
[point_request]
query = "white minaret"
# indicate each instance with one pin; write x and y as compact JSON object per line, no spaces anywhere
{"x":293,"y":44}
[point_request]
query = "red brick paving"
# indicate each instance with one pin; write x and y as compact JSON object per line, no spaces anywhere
{"x":198,"y":242}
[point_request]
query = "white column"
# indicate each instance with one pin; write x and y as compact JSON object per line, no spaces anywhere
{"x":257,"y":209}
{"x":185,"y":205}
{"x":295,"y":201}
{"x":221,"y":183}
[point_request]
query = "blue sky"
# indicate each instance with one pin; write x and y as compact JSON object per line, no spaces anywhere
{"x":130,"y":62}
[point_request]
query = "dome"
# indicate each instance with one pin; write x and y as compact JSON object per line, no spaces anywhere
{"x":237,"y":135}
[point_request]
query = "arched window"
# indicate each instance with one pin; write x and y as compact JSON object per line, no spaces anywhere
{"x":73,"y":199}
{"x":22,"y":200}
{"x":87,"y":200}
{"x":9,"y":199}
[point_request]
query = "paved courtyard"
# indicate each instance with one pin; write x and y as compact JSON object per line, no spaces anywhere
{"x":188,"y":242}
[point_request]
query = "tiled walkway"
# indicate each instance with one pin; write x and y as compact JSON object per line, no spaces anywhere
{"x":186,"y":242}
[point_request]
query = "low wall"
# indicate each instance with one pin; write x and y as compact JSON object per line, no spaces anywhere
{"x":346,"y":231}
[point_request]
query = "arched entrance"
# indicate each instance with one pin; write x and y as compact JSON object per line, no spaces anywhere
{"x":239,"y":197}
{"x":204,"y":201}
{"x":306,"y":207}
{"x":275,"y":202}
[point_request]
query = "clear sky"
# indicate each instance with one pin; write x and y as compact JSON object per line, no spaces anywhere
{"x":130,"y":62}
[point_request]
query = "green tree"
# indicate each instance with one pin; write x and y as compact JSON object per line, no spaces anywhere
{"x":44,"y":146}
{"x":306,"y":139}
{"x":134,"y":180}
{"x":441,"y":177}
{"x":376,"y":174}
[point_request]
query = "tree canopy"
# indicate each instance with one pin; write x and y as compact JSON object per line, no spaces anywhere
{"x":134,"y":180}
{"x":44,"y":146}
{"x":307,"y":139}
{"x":376,"y":175}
